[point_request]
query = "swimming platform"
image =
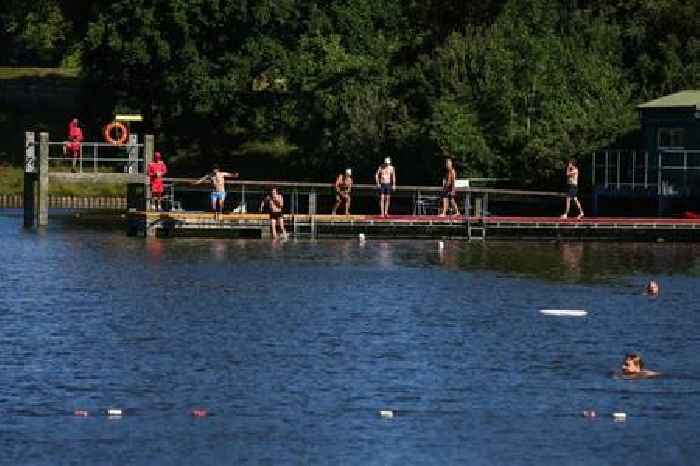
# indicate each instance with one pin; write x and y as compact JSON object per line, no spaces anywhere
{"x":207,"y":224}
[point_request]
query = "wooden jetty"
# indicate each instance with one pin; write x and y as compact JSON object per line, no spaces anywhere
{"x":173,"y":224}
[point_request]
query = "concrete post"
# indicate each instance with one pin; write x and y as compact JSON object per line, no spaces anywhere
{"x":29,"y":180}
{"x":43,"y":214}
{"x":148,"y":150}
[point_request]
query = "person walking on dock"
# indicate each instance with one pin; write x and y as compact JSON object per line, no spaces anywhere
{"x":572,"y":183}
{"x":386,"y":183}
{"x":273,"y":204}
{"x":448,"y":189}
{"x":343,"y":186}
{"x":218,"y":181}
{"x":156,"y":171}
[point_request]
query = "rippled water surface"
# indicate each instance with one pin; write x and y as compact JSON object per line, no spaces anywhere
{"x":294,"y":347}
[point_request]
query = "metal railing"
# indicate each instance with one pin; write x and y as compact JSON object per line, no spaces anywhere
{"x":303,"y":198}
{"x":97,"y":157}
{"x":678,"y":172}
{"x":622,"y":169}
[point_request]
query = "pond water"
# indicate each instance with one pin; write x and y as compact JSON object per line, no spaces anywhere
{"x":294,"y":347}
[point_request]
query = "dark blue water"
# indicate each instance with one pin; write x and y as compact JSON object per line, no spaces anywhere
{"x":294,"y":347}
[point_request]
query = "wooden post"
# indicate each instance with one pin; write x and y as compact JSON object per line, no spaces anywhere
{"x":43,"y":214}
{"x":29,"y":180}
{"x":148,"y":150}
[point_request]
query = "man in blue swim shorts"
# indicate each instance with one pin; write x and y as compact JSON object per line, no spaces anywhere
{"x":218,"y":181}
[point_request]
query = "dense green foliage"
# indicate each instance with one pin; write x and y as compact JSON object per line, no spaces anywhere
{"x":303,"y":88}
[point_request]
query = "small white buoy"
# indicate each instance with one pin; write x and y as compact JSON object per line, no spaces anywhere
{"x":620,"y":417}
{"x":564,"y":312}
{"x":386,"y":413}
{"x":112,"y":412}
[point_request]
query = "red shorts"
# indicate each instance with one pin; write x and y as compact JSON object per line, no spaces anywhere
{"x":73,"y":148}
{"x":157,"y":187}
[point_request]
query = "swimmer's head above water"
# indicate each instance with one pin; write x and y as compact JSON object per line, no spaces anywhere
{"x":652,"y":288}
{"x":633,"y":366}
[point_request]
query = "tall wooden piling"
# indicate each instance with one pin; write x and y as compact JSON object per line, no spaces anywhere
{"x":30,"y":178}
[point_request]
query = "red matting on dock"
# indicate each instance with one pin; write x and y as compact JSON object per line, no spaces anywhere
{"x":593,"y":220}
{"x":538,"y":220}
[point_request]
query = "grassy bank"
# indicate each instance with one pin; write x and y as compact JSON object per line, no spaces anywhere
{"x":10,"y":72}
{"x":12,"y":182}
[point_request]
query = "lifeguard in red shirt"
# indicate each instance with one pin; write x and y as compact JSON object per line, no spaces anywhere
{"x":75,"y":137}
{"x":156,"y":172}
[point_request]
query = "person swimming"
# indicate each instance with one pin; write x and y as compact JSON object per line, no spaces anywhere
{"x":633,"y":368}
{"x":652,"y":288}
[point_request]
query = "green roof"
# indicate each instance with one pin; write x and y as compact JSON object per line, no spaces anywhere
{"x":683,"y":99}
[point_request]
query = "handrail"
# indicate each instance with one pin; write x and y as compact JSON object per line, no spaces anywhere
{"x":436,"y":189}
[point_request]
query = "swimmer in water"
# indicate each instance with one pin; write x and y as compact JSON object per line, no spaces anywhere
{"x":633,"y":368}
{"x":652,"y":288}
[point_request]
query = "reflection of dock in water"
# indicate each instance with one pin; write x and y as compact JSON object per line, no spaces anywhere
{"x":413,"y":226}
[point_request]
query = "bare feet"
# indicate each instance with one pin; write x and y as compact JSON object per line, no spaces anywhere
{"x":580,"y":216}
{"x":564,"y":216}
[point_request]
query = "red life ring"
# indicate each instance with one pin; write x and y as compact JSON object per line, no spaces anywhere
{"x":122,"y":133}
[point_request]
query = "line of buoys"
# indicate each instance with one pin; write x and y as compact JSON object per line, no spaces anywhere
{"x":617,"y":416}
{"x":118,"y":413}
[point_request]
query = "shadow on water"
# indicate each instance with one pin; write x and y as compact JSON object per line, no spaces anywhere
{"x":578,"y":262}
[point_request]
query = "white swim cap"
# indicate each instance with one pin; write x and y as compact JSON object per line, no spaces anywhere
{"x":348,"y":172}
{"x":387,"y":161}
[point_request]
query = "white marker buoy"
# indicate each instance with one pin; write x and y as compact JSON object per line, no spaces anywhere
{"x":112,"y":412}
{"x":620,"y":417}
{"x":564,"y":312}
{"x":386,"y":413}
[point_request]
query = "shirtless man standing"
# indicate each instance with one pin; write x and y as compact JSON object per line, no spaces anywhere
{"x":448,"y":189}
{"x":274,"y":203}
{"x":572,"y":183}
{"x":343,"y":187}
{"x":218,"y":181}
{"x":386,"y":183}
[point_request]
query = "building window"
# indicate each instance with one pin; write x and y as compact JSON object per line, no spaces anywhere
{"x":671,"y":138}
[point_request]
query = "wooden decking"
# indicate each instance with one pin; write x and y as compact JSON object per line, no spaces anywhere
{"x":408,"y":226}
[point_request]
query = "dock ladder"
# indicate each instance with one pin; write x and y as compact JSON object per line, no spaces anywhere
{"x":304,"y":226}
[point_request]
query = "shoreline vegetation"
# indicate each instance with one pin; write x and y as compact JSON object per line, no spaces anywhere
{"x":300,"y":89}
{"x":12,"y":182}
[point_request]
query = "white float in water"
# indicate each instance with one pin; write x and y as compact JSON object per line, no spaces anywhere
{"x":620,"y":417}
{"x":564,"y":312}
{"x":112,"y":412}
{"x":387,"y":413}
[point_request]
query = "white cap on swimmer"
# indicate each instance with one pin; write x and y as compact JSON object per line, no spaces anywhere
{"x":387,"y":160}
{"x":348,"y":171}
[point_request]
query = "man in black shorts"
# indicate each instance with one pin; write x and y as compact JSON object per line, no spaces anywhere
{"x":274,"y":203}
{"x":572,"y":183}
{"x":449,"y":189}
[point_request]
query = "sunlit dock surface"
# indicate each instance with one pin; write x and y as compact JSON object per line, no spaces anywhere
{"x":410,"y":226}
